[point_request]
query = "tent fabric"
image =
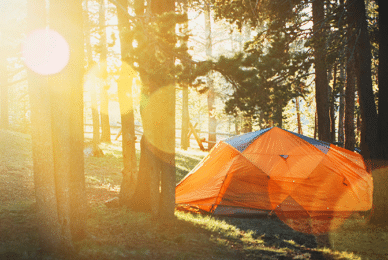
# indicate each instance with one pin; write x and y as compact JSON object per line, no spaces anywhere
{"x":275,"y":169}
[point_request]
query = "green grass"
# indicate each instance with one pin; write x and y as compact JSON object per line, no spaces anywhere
{"x":186,"y":161}
{"x":119,"y":233}
{"x":247,"y":238}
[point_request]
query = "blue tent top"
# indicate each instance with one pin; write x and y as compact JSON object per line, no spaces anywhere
{"x":241,"y":142}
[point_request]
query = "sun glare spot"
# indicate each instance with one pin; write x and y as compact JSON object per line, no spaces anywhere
{"x":46,"y":52}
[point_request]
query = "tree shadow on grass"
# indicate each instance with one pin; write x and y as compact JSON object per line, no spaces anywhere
{"x":184,"y":164}
{"x":270,"y":238}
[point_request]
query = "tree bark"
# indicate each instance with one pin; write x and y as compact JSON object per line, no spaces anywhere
{"x":156,"y":182}
{"x":93,"y":88}
{"x":380,"y":176}
{"x":350,"y":139}
{"x":278,"y":114}
{"x":315,"y":125}
{"x":78,"y":198}
{"x":57,"y":136}
{"x":67,"y":122}
{"x":342,"y":78}
{"x":332,"y":102}
{"x":141,"y":199}
{"x":104,"y":98}
{"x":95,"y":114}
{"x":321,"y":83}
{"x":185,"y":141}
{"x":128,"y":132}
{"x":166,"y":140}
{"x":300,"y":131}
{"x":104,"y":106}
{"x":124,"y":84}
{"x":370,"y":145}
{"x":168,"y":181}
{"x":341,"y":112}
{"x":50,"y":239}
{"x":383,"y":79}
{"x":212,"y":127}
{"x":237,"y":124}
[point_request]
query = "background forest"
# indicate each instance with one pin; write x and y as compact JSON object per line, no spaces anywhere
{"x":76,"y":73}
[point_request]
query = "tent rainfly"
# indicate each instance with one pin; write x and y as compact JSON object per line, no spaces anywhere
{"x":275,"y":170}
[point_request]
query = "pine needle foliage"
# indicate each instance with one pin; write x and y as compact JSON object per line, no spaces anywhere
{"x":274,"y":65}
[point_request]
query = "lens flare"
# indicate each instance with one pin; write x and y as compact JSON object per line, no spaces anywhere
{"x":156,"y":118}
{"x":46,"y":52}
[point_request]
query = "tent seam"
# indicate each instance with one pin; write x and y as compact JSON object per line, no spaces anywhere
{"x":219,"y":192}
{"x":249,"y":160}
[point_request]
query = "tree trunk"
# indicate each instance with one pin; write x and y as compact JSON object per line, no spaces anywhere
{"x":332,"y":109}
{"x":247,"y":124}
{"x":370,"y":145}
{"x":383,"y":79}
{"x":141,"y":198}
{"x":157,"y":161}
{"x":50,"y":239}
{"x":237,"y":124}
{"x":158,"y":119}
{"x":124,"y":84}
{"x":210,"y":94}
{"x":358,"y":126}
{"x":300,"y":131}
{"x":321,"y":83}
{"x":185,"y":141}
{"x":93,"y":88}
{"x":168,"y":181}
{"x":105,"y":126}
{"x":128,"y":131}
{"x":95,"y":114}
{"x":57,"y":121}
{"x":380,"y":194}
{"x":342,"y":78}
{"x":104,"y":98}
{"x":341,"y":112}
{"x":315,"y":124}
{"x":278,"y":114}
{"x":380,"y":176}
{"x":140,"y":201}
{"x":350,"y":138}
{"x":265,"y":120}
{"x":67,"y":121}
{"x":164,"y":138}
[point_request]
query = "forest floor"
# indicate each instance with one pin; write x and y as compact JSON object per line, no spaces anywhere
{"x":119,"y":233}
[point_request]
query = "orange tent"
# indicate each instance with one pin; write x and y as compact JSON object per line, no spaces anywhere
{"x":280,"y":171}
